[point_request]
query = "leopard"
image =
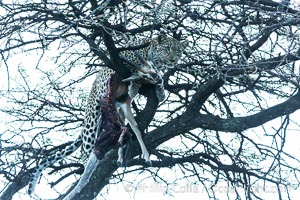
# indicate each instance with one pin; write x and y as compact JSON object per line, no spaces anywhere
{"x":166,"y":53}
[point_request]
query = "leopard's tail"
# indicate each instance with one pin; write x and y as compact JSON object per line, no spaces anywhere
{"x":49,"y":160}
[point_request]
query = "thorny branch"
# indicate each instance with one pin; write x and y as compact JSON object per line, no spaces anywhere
{"x":239,"y":75}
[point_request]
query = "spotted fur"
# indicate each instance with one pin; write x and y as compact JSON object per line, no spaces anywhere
{"x":166,"y":51}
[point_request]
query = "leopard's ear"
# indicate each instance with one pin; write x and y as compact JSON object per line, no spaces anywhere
{"x":177,"y":36}
{"x":161,"y":38}
{"x":184,"y":44}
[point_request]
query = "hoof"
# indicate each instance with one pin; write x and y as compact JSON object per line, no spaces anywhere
{"x":121,"y":164}
{"x":148,"y":163}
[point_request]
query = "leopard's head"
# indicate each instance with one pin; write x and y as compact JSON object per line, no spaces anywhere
{"x":168,"y":50}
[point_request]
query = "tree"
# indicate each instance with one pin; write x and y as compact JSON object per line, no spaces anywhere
{"x":228,"y":118}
